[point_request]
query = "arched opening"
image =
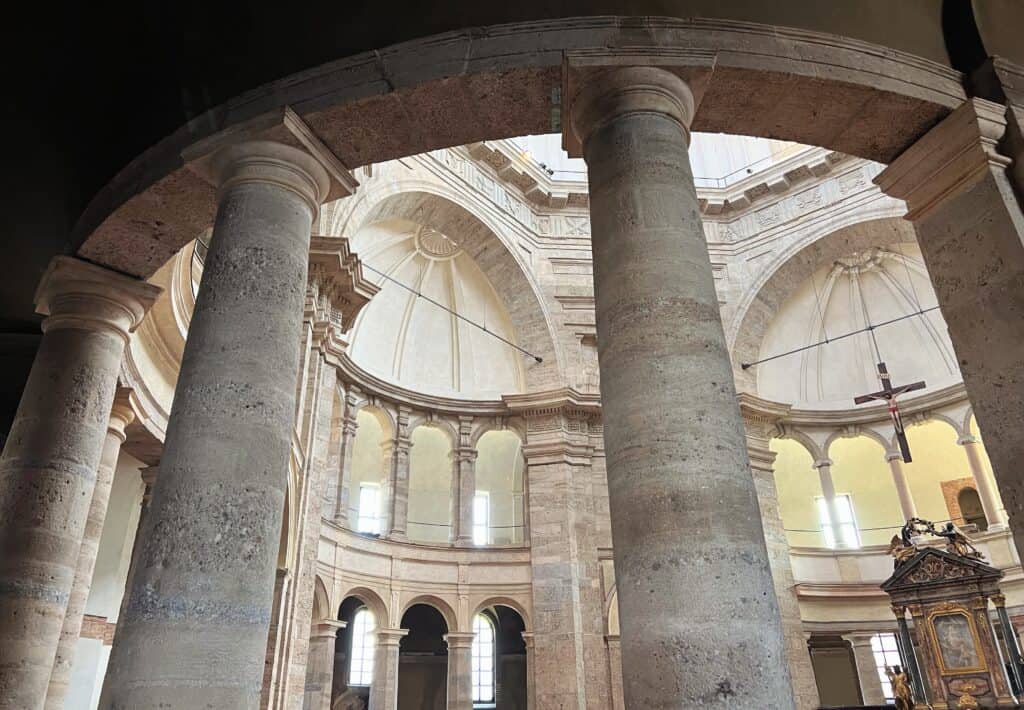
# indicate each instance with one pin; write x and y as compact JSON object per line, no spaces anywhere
{"x":368,"y":478}
{"x":423,"y":660}
{"x":430,"y":486}
{"x":498,"y":510}
{"x":354,"y":651}
{"x":971,"y":509}
{"x":499,"y":659}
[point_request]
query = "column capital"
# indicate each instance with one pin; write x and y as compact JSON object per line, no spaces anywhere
{"x":273,"y":163}
{"x":859,"y":638}
{"x":891,"y":456}
{"x":390,"y":637}
{"x":967,"y":439}
{"x":529,"y":638}
{"x":76,"y":294}
{"x":121,"y":414}
{"x":459,"y":639}
{"x":327,"y":628}
{"x":822,"y":463}
{"x":628,"y":90}
{"x":948,"y":159}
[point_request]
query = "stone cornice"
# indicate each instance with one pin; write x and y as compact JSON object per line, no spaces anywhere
{"x":565,"y":400}
{"x":838,"y":418}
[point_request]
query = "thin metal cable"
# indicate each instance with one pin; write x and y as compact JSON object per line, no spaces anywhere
{"x":870,"y":328}
{"x":443,"y":307}
{"x":821,"y":315}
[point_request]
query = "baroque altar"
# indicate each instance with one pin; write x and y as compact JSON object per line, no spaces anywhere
{"x":957,"y":662}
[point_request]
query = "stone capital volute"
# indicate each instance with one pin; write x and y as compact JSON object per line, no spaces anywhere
{"x":76,"y":294}
{"x":630,"y":90}
{"x":273,"y":164}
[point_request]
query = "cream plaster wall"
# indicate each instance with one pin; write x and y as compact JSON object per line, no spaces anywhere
{"x":368,"y":465}
{"x":499,"y":471}
{"x":430,"y":485}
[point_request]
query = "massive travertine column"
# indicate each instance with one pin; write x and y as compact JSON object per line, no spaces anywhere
{"x":986,"y":486}
{"x":384,"y":687}
{"x":121,"y":415}
{"x":700,"y":622}
{"x":867,"y":673}
{"x":194,"y":632}
{"x":460,"y":667}
{"x":970,"y":227}
{"x":49,"y":465}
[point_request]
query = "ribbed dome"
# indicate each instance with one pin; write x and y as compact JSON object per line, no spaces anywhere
{"x":414,"y":343}
{"x":890,"y":282}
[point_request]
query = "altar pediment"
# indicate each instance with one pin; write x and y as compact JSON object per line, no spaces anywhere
{"x":932,"y":566}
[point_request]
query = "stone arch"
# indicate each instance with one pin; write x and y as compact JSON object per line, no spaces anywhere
{"x":482,"y":237}
{"x":766,"y":295}
{"x":482,"y":426}
{"x":386,"y":419}
{"x":373,"y":601}
{"x":954,"y":425}
{"x":968,"y":416}
{"x":512,"y":603}
{"x":805,"y":440}
{"x":853,"y":433}
{"x":611,"y":613}
{"x":442,"y":424}
{"x":444,"y":608}
{"x":322,"y":609}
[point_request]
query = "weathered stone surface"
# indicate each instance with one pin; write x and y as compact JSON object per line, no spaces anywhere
{"x":700,"y":621}
{"x":195,"y":628}
{"x":48,"y":468}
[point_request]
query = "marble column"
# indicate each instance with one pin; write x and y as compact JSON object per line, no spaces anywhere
{"x":384,"y":686}
{"x":460,"y":667}
{"x":690,"y":559}
{"x":463,"y":485}
{"x":970,"y":227}
{"x":49,"y":465}
{"x":396,"y":452}
{"x":531,"y":683}
{"x":828,"y":492}
{"x":987,"y":492}
{"x":320,"y":664}
{"x":615,"y":670}
{"x":348,"y":437}
{"x":867,"y":672}
{"x":899,"y":479}
{"x":121,"y":415}
{"x":194,"y":633}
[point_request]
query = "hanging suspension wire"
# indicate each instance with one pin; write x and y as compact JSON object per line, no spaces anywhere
{"x":850,"y":334}
{"x":443,"y":307}
{"x":817,"y":301}
{"x":867,"y":319}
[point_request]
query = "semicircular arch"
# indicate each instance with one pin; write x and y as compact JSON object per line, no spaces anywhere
{"x":432,"y":600}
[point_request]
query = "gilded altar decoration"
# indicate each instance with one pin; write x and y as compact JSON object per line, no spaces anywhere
{"x":946,"y":590}
{"x":900,"y":688}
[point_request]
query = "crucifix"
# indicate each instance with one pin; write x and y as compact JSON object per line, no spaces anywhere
{"x":888,"y":393}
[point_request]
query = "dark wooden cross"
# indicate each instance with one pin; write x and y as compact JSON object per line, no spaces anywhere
{"x":888,"y":393}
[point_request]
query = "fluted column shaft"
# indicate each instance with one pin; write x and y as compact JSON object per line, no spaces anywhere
{"x":460,"y":667}
{"x":899,"y":478}
{"x":990,"y":503}
{"x":384,"y":686}
{"x":692,"y":584}
{"x":195,"y":628}
{"x":867,"y":673}
{"x":49,"y":465}
{"x":121,"y":415}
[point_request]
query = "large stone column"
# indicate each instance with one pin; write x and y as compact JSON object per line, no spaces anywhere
{"x":463,"y":485}
{"x":531,"y":684}
{"x":49,"y":465}
{"x":867,"y":673}
{"x":970,"y":227}
{"x":761,"y":419}
{"x":384,"y":686}
{"x":460,"y":667}
{"x":700,"y":622}
{"x":899,"y":479}
{"x":194,"y":633}
{"x":986,"y":486}
{"x":121,"y":415}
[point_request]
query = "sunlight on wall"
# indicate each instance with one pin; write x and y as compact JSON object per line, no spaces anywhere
{"x":430,"y":485}
{"x":368,"y":464}
{"x":860,"y":470}
{"x":499,"y":472}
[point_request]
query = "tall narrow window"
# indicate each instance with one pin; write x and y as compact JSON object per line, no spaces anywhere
{"x":483,"y":660}
{"x":369,"y":508}
{"x":361,"y":668}
{"x":886,"y":654}
{"x":844,"y":529}
{"x":481,"y":518}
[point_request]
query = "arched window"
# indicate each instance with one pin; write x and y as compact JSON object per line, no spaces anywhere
{"x":483,"y":660}
{"x":361,"y":667}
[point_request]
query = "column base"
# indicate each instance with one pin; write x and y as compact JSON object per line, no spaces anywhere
{"x":464,"y":542}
